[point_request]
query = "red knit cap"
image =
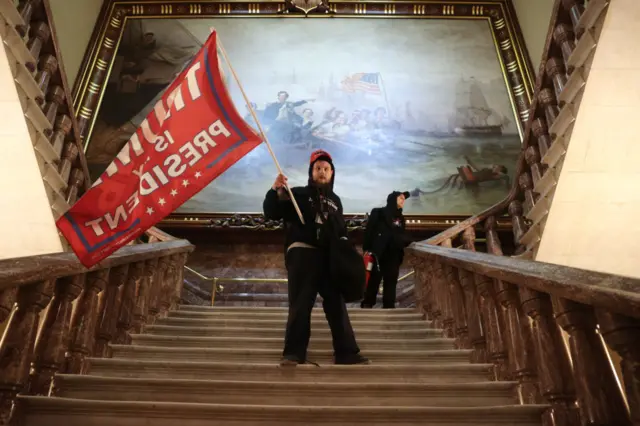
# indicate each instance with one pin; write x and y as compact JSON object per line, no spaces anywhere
{"x":318,"y":154}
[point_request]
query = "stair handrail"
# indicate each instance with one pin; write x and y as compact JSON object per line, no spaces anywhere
{"x":261,"y":280}
{"x":528,"y":140}
{"x":29,"y":269}
{"x":615,"y":293}
{"x":219,"y":288}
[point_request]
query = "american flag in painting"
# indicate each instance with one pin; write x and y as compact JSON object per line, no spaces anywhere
{"x":362,"y":82}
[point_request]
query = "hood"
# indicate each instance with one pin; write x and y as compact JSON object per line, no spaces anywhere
{"x":392,"y":201}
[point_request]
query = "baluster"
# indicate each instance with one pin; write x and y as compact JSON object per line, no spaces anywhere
{"x":435,"y":293}
{"x":16,"y":352}
{"x":62,"y":127}
{"x":108,"y":312}
{"x":517,"y":221}
{"x":142,"y":295}
{"x":421,"y":267}
{"x":622,"y":334}
{"x":7,"y":300}
{"x":565,"y":38}
{"x":417,"y":264}
{"x":541,"y":132}
{"x":599,"y":398}
{"x":575,"y":9}
{"x":168,"y":286}
{"x":438,"y":285}
{"x":51,"y":346}
{"x":69,"y":155}
{"x":494,"y":327}
{"x":26,"y":9}
{"x":472,"y":305}
{"x":532,"y":157}
{"x":526,"y":186}
{"x":557,"y":73}
{"x":517,"y":331}
{"x":47,"y":66}
{"x":448,"y":321}
{"x":83,"y":323}
{"x":55,"y":98}
{"x":459,"y":313}
{"x":423,"y":276}
{"x":75,"y":180}
{"x":39,"y":35}
{"x":125,"y":315}
{"x":474,"y":321}
{"x":554,"y":368}
{"x":157,"y":282}
{"x":177,"y":292}
{"x":548,"y":102}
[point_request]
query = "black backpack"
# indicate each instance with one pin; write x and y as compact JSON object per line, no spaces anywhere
{"x":346,"y":265}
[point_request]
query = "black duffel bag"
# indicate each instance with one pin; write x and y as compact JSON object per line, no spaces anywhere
{"x":346,"y":265}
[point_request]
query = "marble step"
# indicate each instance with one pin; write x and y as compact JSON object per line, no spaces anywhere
{"x":352,"y":311}
{"x":178,"y":341}
{"x":170,"y":330}
{"x":180,"y":369}
{"x":285,"y":393}
{"x":316,"y":322}
{"x":256,"y":303}
{"x":82,"y":412}
{"x":254,"y":355}
{"x":260,"y":314}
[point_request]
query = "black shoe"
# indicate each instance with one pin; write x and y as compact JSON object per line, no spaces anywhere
{"x":290,"y":360}
{"x":365,"y":306}
{"x":353,"y":359}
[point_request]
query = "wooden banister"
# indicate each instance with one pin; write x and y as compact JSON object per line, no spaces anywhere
{"x":510,"y":312}
{"x":21,"y":270}
{"x":615,"y":293}
{"x":134,"y":286}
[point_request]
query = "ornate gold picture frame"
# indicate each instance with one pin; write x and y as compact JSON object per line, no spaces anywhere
{"x":499,"y":14}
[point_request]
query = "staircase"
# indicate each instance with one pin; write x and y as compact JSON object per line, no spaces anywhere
{"x":202,"y":366}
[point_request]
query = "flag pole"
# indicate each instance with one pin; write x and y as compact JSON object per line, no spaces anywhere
{"x":255,"y":118}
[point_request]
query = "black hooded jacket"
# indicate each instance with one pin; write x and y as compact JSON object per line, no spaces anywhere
{"x":385,"y":232}
{"x":312,"y":201}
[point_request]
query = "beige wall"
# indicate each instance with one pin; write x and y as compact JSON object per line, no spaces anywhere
{"x":74,"y":21}
{"x":594,"y":221}
{"x":27,"y":225}
{"x":534,"y":17}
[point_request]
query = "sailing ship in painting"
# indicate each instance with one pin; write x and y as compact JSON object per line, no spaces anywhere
{"x":473,"y":116}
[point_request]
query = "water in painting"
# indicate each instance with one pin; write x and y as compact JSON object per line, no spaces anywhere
{"x":411,"y":104}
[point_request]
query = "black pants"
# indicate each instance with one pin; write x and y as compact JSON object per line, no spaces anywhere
{"x":389,"y":269}
{"x":307,"y":273}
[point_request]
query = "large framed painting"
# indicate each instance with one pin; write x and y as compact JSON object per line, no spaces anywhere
{"x":428,"y":97}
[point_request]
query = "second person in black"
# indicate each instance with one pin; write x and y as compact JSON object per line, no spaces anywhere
{"x":386,"y":239}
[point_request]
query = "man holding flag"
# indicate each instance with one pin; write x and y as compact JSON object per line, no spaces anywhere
{"x":192,"y":135}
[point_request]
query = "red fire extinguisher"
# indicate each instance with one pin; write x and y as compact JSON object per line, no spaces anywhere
{"x":368,"y":264}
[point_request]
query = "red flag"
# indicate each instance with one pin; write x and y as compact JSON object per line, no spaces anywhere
{"x":193,"y":135}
